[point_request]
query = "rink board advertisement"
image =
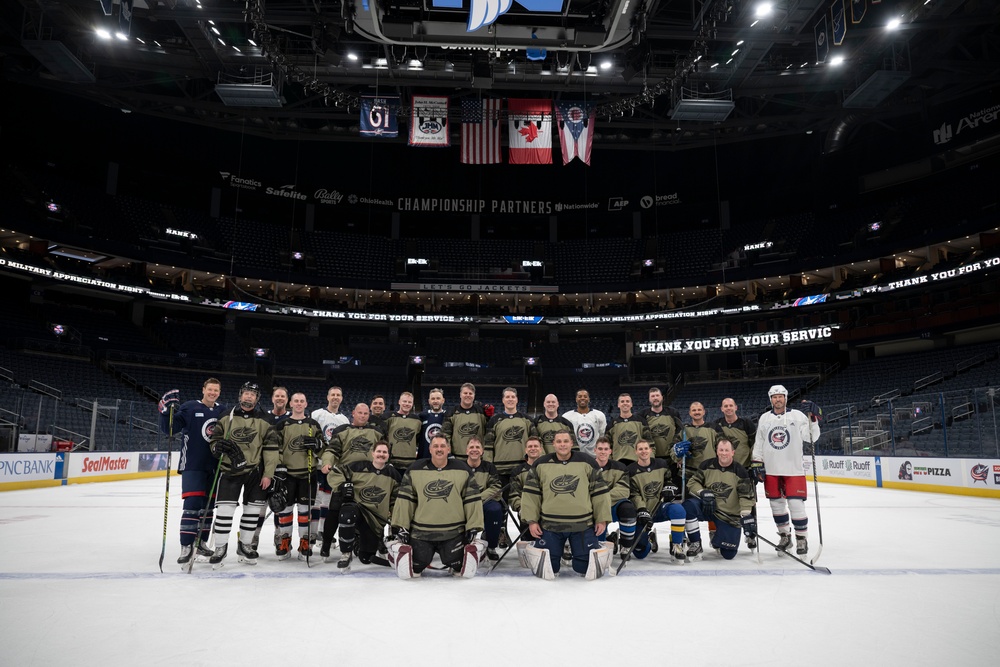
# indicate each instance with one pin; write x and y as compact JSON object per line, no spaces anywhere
{"x":25,"y":470}
{"x":110,"y":466}
{"x":973,"y":477}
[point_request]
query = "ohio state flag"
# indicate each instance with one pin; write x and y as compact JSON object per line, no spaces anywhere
{"x":576,"y":130}
{"x":530,"y":126}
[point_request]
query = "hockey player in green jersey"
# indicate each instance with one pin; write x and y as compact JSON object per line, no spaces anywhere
{"x":488,"y":480}
{"x":722,"y":492}
{"x":402,"y":430}
{"x":551,"y":422}
{"x":664,"y":424}
{"x":622,"y":509}
{"x":625,"y":431}
{"x":439,"y":510}
{"x":655,"y":492}
{"x":465,"y":420}
{"x":566,"y":499}
{"x":352,"y":442}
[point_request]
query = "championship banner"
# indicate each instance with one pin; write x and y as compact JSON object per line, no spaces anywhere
{"x":530,"y":127}
{"x":378,"y":116}
{"x":576,"y":130}
{"x":822,"y":41}
{"x":429,"y":121}
{"x":839,"y":22}
{"x":858,"y":10}
{"x":108,"y":6}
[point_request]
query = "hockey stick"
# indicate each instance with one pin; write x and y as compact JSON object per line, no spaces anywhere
{"x":201,"y":521}
{"x":507,"y":550}
{"x":821,"y":570}
{"x":166,"y":494}
{"x":627,"y":556}
{"x":819,"y":520}
{"x":309,"y":467}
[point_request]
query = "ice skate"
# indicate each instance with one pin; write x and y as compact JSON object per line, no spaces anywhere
{"x":801,"y":545}
{"x":246,"y":554}
{"x":654,"y":544}
{"x":344,"y":564}
{"x":784,"y":541}
{"x":218,"y":556}
{"x":678,"y":552}
{"x":304,"y":548}
{"x":695,"y":551}
{"x":187,"y":552}
{"x":284,"y":548}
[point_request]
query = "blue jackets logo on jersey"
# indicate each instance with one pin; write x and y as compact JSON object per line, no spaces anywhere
{"x":371,"y":495}
{"x":438,"y":489}
{"x":564,"y":484}
{"x":403,"y":434}
{"x":651,"y":490}
{"x":469,"y":429}
{"x":360,"y":445}
{"x":628,"y":438}
{"x":778,"y":437}
{"x":513,"y":433}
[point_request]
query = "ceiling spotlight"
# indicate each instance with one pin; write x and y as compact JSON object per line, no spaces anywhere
{"x":352,"y":56}
{"x":763,"y":9}
{"x":122,"y":36}
{"x":102,"y":33}
{"x":606,"y":64}
{"x":893,"y":24}
{"x":837,"y":60}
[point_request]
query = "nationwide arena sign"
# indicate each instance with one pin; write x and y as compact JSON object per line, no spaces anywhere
{"x":740,"y":342}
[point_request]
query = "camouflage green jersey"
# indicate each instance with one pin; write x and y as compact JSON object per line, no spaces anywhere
{"x":742,"y":433}
{"x":517,"y":478}
{"x":616,"y":475}
{"x":665,"y":427}
{"x":624,"y":433}
{"x":646,"y":482}
{"x":487,"y":479}
{"x":460,"y":425}
{"x":732,"y":486}
{"x":703,"y":440}
{"x":402,"y":432}
{"x":374,"y":490}
{"x":251,"y":432}
{"x":438,"y":504}
{"x":293,"y":435}
{"x":505,"y":438}
{"x":547,"y":428}
{"x":566,"y":496}
{"x":351,"y":443}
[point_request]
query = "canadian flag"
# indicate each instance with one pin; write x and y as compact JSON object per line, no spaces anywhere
{"x":530,"y":126}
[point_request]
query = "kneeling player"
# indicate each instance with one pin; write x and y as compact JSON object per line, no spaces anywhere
{"x":566,"y":499}
{"x":724,"y":494}
{"x":438,"y":510}
{"x":653,"y":486}
{"x":363,"y":500}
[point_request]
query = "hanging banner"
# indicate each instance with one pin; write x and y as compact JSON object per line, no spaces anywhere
{"x":378,"y":117}
{"x":429,"y":121}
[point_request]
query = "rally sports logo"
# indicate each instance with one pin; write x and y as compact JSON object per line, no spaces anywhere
{"x":438,"y":489}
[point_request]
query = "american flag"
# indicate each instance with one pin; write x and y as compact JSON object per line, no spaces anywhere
{"x":481,"y":131}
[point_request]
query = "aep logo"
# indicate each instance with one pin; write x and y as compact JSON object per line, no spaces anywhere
{"x":486,"y":12}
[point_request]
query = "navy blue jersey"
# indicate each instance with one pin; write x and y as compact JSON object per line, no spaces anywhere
{"x":194,"y":421}
{"x":432,"y":422}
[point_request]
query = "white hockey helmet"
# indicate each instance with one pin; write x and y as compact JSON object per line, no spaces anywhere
{"x":777,"y":389}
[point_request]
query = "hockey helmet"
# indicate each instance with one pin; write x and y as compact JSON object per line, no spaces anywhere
{"x":251,"y":387}
{"x":777,"y":389}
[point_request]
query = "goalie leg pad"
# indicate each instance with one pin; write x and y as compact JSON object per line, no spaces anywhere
{"x":401,"y":558}
{"x":521,"y":558}
{"x":600,"y":562}
{"x":539,"y":562}
{"x":472,"y":555}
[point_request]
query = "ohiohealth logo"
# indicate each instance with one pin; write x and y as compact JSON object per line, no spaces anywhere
{"x":486,"y":12}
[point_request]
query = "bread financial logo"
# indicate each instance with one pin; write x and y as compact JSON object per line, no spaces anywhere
{"x":512,"y":434}
{"x":438,"y":489}
{"x":564,"y":484}
{"x":372,"y":495}
{"x":359,"y":445}
{"x":469,"y":429}
{"x":651,"y":490}
{"x":403,"y":434}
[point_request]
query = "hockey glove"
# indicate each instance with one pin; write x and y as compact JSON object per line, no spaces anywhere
{"x":229,"y":449}
{"x":682,"y":449}
{"x":707,"y":502}
{"x":814,"y":411}
{"x":401,"y":534}
{"x":313,"y":444}
{"x":488,"y":410}
{"x":757,"y":471}
{"x":347,"y":492}
{"x":643,"y":517}
{"x":277,"y":493}
{"x":670,"y":493}
{"x":469,"y":537}
{"x":172,"y":397}
{"x":749,"y":525}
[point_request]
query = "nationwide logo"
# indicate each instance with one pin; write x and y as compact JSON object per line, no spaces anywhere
{"x":945,"y":133}
{"x":651,"y":490}
{"x":617,"y":203}
{"x":286,"y":191}
{"x":979,"y":473}
{"x":564,"y":484}
{"x":648,"y":201}
{"x":372,"y":495}
{"x":560,"y":207}
{"x":328,"y":196}
{"x":439,"y":489}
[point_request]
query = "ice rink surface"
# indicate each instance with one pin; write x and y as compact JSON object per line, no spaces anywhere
{"x":915,"y":581}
